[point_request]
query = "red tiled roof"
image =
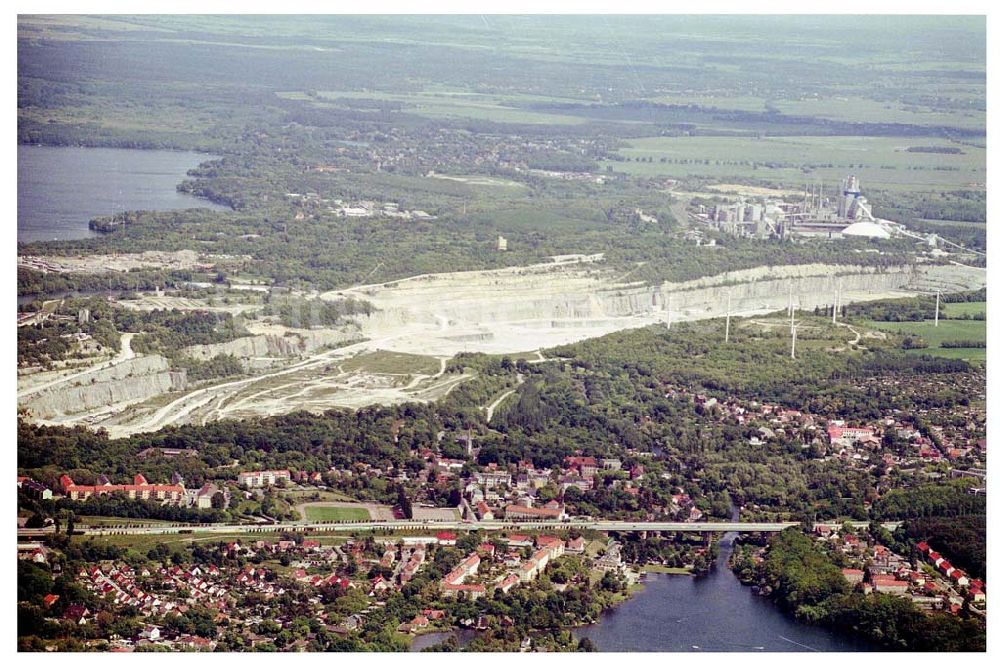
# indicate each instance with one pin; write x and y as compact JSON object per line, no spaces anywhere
{"x":888,"y":581}
{"x":464,"y":587}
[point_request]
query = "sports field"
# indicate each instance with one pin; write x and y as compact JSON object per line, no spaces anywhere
{"x":336,"y":514}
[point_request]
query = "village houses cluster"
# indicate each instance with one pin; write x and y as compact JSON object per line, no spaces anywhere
{"x":933,"y":584}
{"x":233,"y":581}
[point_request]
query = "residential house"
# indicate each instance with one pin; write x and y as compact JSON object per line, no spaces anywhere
{"x":889,"y":585}
{"x":139,"y":489}
{"x":508,"y":583}
{"x":34,"y":489}
{"x":586,"y":466}
{"x":447,"y":538}
{"x":853,"y":576}
{"x":483,"y":511}
{"x":264,"y":478}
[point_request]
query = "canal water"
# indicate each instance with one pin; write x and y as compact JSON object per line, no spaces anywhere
{"x":60,"y":189}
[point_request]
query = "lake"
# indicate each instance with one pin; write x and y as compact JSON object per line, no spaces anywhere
{"x":715,"y":613}
{"x":59,"y":189}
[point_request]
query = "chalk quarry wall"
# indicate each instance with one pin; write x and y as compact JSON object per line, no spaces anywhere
{"x":273,"y":346}
{"x":125,"y":383}
{"x":559,"y":297}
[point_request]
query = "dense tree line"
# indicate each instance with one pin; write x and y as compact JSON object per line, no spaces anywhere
{"x":31,"y":282}
{"x":166,"y":331}
{"x":950,"y":498}
{"x":119,"y":506}
{"x":805,"y":581}
{"x":962,"y":539}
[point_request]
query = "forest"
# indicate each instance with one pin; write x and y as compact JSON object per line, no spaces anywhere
{"x":961,"y":538}
{"x":801,"y":578}
{"x":165,"y":332}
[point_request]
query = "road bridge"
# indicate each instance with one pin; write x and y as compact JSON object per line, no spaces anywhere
{"x":434,"y":525}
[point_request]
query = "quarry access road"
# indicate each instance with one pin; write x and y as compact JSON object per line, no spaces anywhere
{"x":124,"y":354}
{"x":184,"y":405}
{"x":422,"y":525}
{"x":496,"y":403}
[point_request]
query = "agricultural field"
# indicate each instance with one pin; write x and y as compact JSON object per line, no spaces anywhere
{"x":855,"y":109}
{"x":970,"y":309}
{"x":452,"y":104}
{"x":947,"y":330}
{"x":880,"y":162}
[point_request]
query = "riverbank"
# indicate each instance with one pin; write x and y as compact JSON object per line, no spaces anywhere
{"x":661,"y":569}
{"x":798,"y":578}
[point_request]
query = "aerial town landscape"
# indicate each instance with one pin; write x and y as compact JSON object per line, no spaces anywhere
{"x":501,"y":333}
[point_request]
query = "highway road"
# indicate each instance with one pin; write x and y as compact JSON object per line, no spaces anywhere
{"x":416,"y":525}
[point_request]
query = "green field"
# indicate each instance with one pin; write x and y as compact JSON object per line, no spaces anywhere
{"x":450,"y":104}
{"x":659,"y":568}
{"x":97,"y":521}
{"x":336,"y":514}
{"x":957,"y":309}
{"x":856,"y":109}
{"x":312,"y":495}
{"x":947,"y":330}
{"x":392,"y":363}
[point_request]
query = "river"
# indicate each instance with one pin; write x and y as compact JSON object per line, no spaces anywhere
{"x":59,"y":189}
{"x":715,"y":613}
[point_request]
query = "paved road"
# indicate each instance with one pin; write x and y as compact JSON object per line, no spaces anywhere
{"x":403,"y":525}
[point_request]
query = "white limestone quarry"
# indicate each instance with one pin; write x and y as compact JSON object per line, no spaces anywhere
{"x":274,"y":342}
{"x":509,"y":310}
{"x":527,"y":308}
